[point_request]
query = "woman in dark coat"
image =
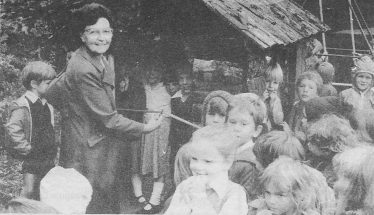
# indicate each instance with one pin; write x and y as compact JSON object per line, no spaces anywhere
{"x":92,"y":130}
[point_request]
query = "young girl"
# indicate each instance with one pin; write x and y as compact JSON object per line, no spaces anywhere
{"x":293,"y":188}
{"x":326,"y":137}
{"x":273,"y":78}
{"x":155,"y":146}
{"x":270,"y":146}
{"x":214,"y":111}
{"x":360,"y":96}
{"x":327,"y":72}
{"x":355,"y":185}
{"x":209,"y":190}
{"x":308,"y":86}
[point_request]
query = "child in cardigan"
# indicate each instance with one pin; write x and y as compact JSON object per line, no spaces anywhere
{"x":246,"y":116}
{"x":327,"y":72}
{"x":30,"y":128}
{"x":291,"y":187}
{"x":270,"y":146}
{"x":273,"y":78}
{"x":209,"y":190}
{"x":355,"y":185}
{"x":308,"y":86}
{"x":360,"y":96}
{"x":327,"y":137}
{"x":214,"y":112}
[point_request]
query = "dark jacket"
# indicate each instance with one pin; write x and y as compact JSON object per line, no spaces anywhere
{"x":91,"y":124}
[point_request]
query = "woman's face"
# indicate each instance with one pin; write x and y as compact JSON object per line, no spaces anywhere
{"x":97,"y":37}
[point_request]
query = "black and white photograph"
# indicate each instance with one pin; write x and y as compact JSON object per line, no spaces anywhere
{"x":187,"y":107}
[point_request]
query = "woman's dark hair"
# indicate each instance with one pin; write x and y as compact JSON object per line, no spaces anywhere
{"x":88,"y":15}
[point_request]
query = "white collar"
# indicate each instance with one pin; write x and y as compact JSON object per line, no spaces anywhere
{"x":248,"y":145}
{"x":177,"y":94}
{"x":33,"y":97}
{"x":220,"y":184}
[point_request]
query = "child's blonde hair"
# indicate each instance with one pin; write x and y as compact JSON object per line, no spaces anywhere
{"x":219,"y":136}
{"x":270,"y":146}
{"x":312,"y":76}
{"x":37,"y":71}
{"x":308,"y":186}
{"x":274,"y":73}
{"x":356,"y":164}
{"x":333,"y":133}
{"x":251,"y":104}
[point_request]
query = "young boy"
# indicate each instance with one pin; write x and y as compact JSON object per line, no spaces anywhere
{"x":30,"y":127}
{"x":246,"y":117}
{"x":182,"y":105}
{"x":308,"y":86}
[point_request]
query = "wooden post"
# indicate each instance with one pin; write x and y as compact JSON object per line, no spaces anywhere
{"x":352,"y":30}
{"x":323,"y":33}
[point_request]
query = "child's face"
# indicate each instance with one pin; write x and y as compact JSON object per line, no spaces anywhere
{"x":363,"y":81}
{"x":172,"y":88}
{"x":272,"y":86}
{"x":214,"y":119}
{"x":41,"y":88}
{"x":307,"y":90}
{"x":185,"y":83}
{"x":279,"y":201}
{"x":206,"y":160}
{"x":243,"y":125}
{"x":153,"y":77}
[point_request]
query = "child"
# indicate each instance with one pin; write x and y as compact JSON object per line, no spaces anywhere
{"x":214,"y":112}
{"x":182,"y":105}
{"x":246,"y":116}
{"x":172,"y":84}
{"x":354,"y":188}
{"x":30,"y":127}
{"x":291,"y":187}
{"x":360,"y":96}
{"x":209,"y":190}
{"x":326,"y":137}
{"x":273,"y":78}
{"x":327,"y":72}
{"x":27,"y":206}
{"x":308,"y":86}
{"x":66,"y":190}
{"x":270,"y":146}
{"x":155,"y":146}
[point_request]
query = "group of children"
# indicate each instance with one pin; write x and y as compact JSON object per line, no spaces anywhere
{"x":245,"y":159}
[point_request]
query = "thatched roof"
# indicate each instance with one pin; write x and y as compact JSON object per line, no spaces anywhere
{"x":268,"y":22}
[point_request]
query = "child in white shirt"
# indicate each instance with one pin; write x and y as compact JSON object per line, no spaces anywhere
{"x":209,"y":190}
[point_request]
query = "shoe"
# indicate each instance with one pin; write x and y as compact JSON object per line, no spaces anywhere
{"x":139,"y":199}
{"x":154,"y":209}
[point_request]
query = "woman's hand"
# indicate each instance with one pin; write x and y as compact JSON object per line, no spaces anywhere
{"x":153,"y":124}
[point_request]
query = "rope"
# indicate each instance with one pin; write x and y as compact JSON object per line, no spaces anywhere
{"x":359,"y":25}
{"x":363,"y":19}
{"x":160,"y":112}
